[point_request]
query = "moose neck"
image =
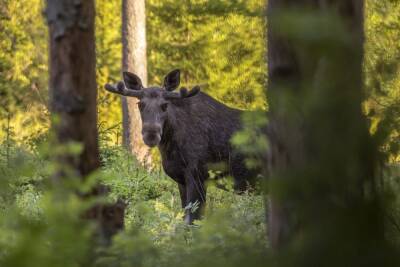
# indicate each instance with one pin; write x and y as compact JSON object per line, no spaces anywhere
{"x":169,"y":135}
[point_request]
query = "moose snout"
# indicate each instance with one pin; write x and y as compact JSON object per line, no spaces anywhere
{"x":151,"y":133}
{"x":151,"y":128}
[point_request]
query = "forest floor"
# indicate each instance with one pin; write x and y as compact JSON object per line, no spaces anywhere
{"x":153,"y":216}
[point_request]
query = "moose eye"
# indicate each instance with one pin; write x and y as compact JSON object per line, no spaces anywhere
{"x":141,"y":106}
{"x":164,"y":107}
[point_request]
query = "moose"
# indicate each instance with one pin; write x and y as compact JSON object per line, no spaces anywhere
{"x":192,"y":131}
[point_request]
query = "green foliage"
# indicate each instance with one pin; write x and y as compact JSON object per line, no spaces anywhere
{"x":23,"y":67}
{"x":382,"y":69}
{"x":23,"y":57}
{"x":33,"y":212}
{"x":218,"y":44}
{"x":252,"y":141}
{"x":108,"y":68}
{"x":154,"y":201}
{"x":39,"y":225}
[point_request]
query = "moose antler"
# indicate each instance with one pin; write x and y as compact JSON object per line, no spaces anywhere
{"x":121,"y":89}
{"x":183,"y":93}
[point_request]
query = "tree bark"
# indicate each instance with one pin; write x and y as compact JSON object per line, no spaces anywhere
{"x":73,"y":96}
{"x":321,"y":157}
{"x":134,"y":60}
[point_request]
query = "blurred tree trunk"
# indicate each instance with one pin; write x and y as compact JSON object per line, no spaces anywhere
{"x":73,"y":95}
{"x":134,"y":60}
{"x":323,"y":193}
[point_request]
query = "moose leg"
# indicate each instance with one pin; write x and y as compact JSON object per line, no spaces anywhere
{"x":182,"y":193}
{"x":195,"y":196}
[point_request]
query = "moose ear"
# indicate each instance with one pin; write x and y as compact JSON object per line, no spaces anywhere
{"x":172,"y":80}
{"x":132,"y":81}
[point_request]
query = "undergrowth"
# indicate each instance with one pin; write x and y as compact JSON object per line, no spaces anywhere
{"x":40,"y":224}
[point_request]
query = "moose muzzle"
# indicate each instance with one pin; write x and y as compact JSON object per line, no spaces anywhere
{"x":151,"y":134}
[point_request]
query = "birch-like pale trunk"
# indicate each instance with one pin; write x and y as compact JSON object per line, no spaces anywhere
{"x":134,"y":59}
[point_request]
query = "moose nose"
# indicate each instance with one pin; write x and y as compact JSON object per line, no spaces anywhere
{"x":151,"y":128}
{"x":151,"y":134}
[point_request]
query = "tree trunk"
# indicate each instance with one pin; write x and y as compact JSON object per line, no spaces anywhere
{"x":134,"y":60}
{"x":322,"y":160}
{"x":73,"y":95}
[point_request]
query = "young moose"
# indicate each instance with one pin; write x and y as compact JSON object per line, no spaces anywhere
{"x":192,"y":130}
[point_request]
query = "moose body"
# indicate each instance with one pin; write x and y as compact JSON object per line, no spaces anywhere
{"x":192,"y":132}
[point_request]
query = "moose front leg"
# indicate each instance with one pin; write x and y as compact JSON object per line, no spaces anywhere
{"x":182,"y":193}
{"x":195,"y":196}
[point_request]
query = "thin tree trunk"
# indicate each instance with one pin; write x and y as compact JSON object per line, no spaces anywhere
{"x":322,"y":160}
{"x":73,"y":96}
{"x":134,"y":60}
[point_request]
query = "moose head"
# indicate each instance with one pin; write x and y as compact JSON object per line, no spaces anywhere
{"x":153,"y":101}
